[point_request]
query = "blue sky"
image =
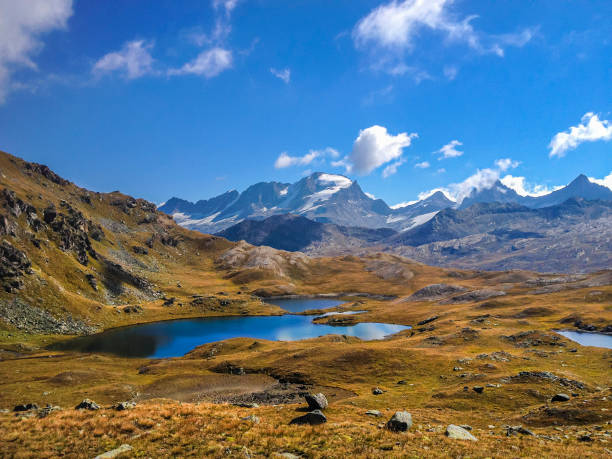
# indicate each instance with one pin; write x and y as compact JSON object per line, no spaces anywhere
{"x":192,"y":98}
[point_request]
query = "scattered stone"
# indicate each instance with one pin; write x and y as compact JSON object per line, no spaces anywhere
{"x":513,"y":430}
{"x":435,"y":292}
{"x":459,"y":433}
{"x":25,"y":407}
{"x":316,"y":401}
{"x":140,"y":250}
{"x":169,"y":302}
{"x":560,"y":398}
{"x":313,"y":418}
{"x":457,"y":368}
{"x":47,"y":410}
{"x":251,"y":418}
{"x":247,"y":404}
{"x":585,"y":438}
{"x":124,"y":406}
{"x":377,"y":391}
{"x":402,"y":382}
{"x":374,"y":413}
{"x":401,"y":421}
{"x":428,"y":320}
{"x":115,"y":452}
{"x":466,"y":426}
{"x":478,"y":389}
{"x":87,"y":405}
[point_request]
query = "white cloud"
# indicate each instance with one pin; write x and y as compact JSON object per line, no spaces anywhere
{"x":449,"y":150}
{"x":506,"y":163}
{"x":285,"y":160}
{"x":208,"y":64}
{"x":284,"y":74}
{"x":392,"y":168}
{"x":396,"y":25}
{"x":590,"y":129}
{"x":133,"y":60}
{"x":524,"y":188}
{"x":606,"y":181}
{"x":227,"y":5}
{"x":21,"y":25}
{"x":422,"y":165}
{"x":482,"y":179}
{"x":374,"y":147}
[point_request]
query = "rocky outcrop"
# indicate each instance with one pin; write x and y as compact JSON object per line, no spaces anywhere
{"x":476,"y":295}
{"x":435,"y":292}
{"x":13,"y":265}
{"x":44,"y":171}
{"x":73,"y":231}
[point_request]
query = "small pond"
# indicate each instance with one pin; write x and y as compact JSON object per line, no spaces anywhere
{"x":178,"y":337}
{"x":304,"y":304}
{"x":588,"y":339}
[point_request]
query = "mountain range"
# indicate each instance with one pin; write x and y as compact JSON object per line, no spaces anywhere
{"x":569,"y":229}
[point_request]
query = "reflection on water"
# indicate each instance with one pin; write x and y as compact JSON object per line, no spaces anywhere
{"x":176,"y":338}
{"x":304,"y":304}
{"x":588,"y":339}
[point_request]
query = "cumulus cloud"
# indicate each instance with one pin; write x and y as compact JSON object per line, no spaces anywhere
{"x":590,"y":129}
{"x":285,"y":160}
{"x":133,"y":60}
{"x":208,"y":64}
{"x":524,"y":188}
{"x":422,"y":165}
{"x":506,"y":163}
{"x":606,"y":181}
{"x":374,"y":147}
{"x":284,"y":74}
{"x":449,"y":150}
{"x":22,"y":23}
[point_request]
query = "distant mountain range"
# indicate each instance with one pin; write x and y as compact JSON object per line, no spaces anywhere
{"x":569,"y":229}
{"x":329,"y":198}
{"x":324,"y":198}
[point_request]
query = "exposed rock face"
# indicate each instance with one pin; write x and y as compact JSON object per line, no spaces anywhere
{"x":47,"y":173}
{"x":545,"y":376}
{"x":316,"y":401}
{"x":560,"y":398}
{"x":72,"y":229}
{"x":435,"y":292}
{"x":459,"y":433}
{"x":401,"y":421}
{"x":313,"y":418}
{"x":116,"y":276}
{"x":13,"y":265}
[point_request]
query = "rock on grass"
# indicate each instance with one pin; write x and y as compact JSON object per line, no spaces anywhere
{"x":459,"y":433}
{"x":316,"y":401}
{"x":313,"y":418}
{"x":401,"y":421}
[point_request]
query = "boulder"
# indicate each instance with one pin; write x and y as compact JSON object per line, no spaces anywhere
{"x":25,"y":407}
{"x":316,"y":401}
{"x":87,"y":405}
{"x":401,"y":421}
{"x":459,"y":433}
{"x":377,"y":391}
{"x":313,"y":418}
{"x":478,"y":389}
{"x":124,"y":406}
{"x":560,"y":398}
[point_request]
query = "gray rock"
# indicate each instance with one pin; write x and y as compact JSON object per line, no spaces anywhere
{"x":313,"y":418}
{"x":560,"y":398}
{"x":87,"y":405}
{"x":316,"y":401}
{"x":115,"y":452}
{"x":124,"y":406}
{"x":377,"y":391}
{"x":459,"y":433}
{"x":513,"y":430}
{"x":374,"y":413}
{"x":401,"y":421}
{"x":25,"y":407}
{"x":478,"y":389}
{"x":251,"y":418}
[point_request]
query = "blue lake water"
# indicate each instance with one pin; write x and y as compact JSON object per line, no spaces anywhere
{"x":589,"y":339}
{"x":304,"y":304}
{"x":176,"y":338}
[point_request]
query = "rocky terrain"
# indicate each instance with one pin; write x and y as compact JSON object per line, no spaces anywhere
{"x":481,"y":373}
